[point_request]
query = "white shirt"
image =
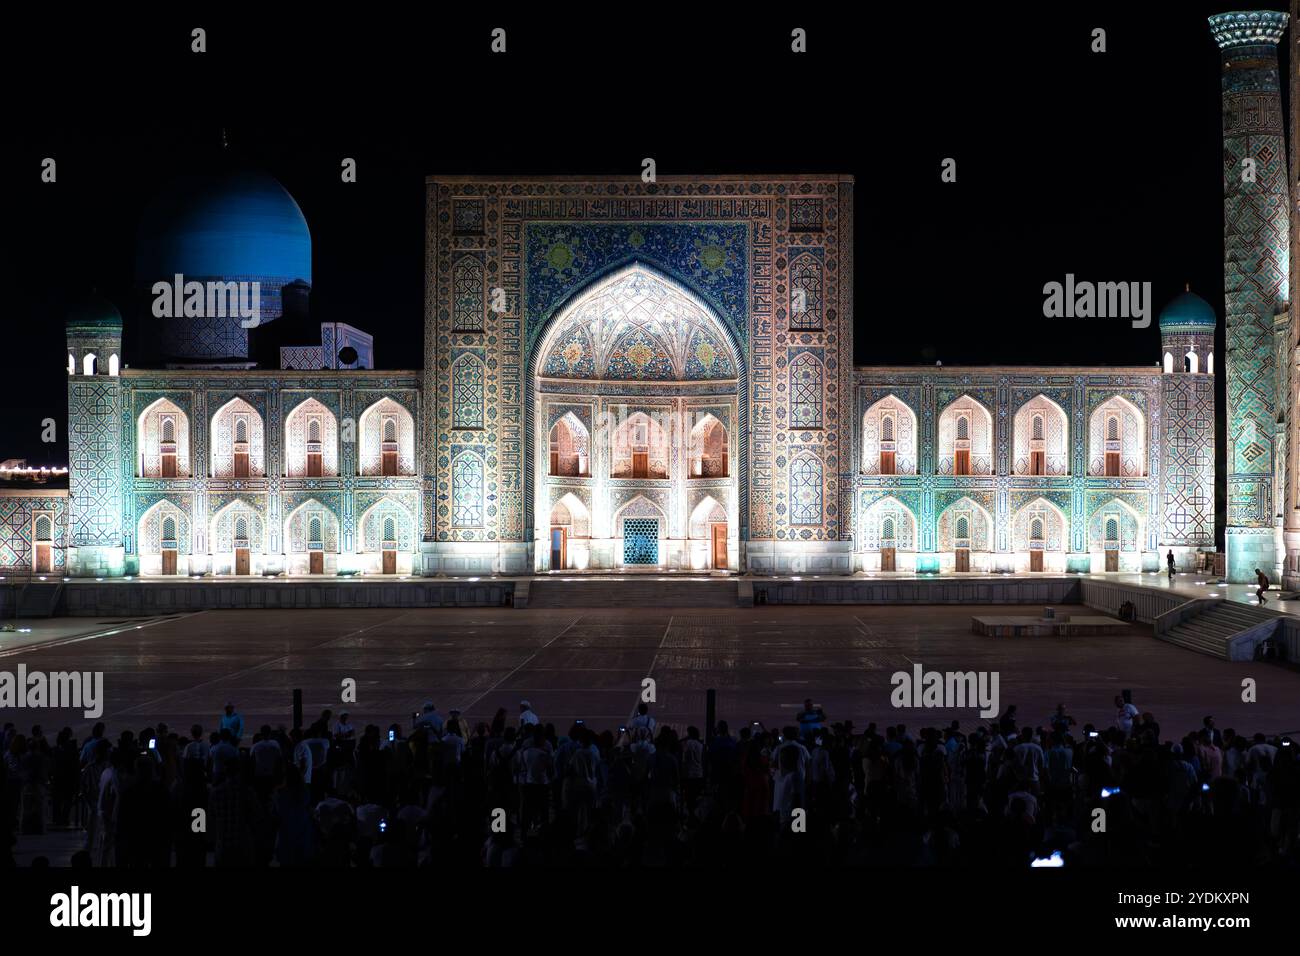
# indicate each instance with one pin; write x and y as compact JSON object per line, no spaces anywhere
{"x":1124,"y":718}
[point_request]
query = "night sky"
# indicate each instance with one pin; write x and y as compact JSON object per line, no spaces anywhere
{"x":1102,"y":165}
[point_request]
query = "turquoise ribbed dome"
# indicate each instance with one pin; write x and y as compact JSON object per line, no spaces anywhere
{"x":239,"y":223}
{"x":93,"y":312}
{"x":1188,"y":310}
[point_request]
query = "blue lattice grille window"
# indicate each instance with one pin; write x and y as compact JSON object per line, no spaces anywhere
{"x":806,"y":297}
{"x":806,"y":491}
{"x":467,"y":394}
{"x":467,"y":492}
{"x":641,"y":541}
{"x":806,"y":392}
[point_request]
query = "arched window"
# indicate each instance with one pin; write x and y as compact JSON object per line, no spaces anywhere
{"x":708,"y":449}
{"x":44,"y":528}
{"x":1209,"y":364}
{"x":88,"y":364}
{"x":963,"y":527}
{"x":113,"y":364}
{"x":313,"y":429}
{"x":72,"y":364}
{"x":241,"y":530}
{"x":390,"y":528}
{"x":887,"y":428}
{"x":806,"y":490}
{"x":1169,"y":362}
{"x":467,"y":491}
{"x":1036,"y":529}
{"x":887,"y":528}
{"x":1193,"y":361}
{"x":569,"y":453}
{"x":315,"y":537}
{"x":1117,"y":439}
{"x":1112,"y":528}
{"x":241,"y":429}
{"x":806,"y":392}
{"x":169,"y":430}
{"x":169,"y":528}
{"x":963,"y":428}
{"x":386,"y":436}
{"x":1036,"y":433}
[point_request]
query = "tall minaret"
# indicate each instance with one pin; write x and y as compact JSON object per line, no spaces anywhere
{"x":1290,"y":382}
{"x":1256,"y":273}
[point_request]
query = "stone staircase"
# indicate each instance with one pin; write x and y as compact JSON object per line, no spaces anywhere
{"x":632,"y":591}
{"x":39,"y":599}
{"x":1224,"y":629}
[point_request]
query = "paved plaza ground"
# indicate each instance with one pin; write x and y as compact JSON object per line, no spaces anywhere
{"x":590,"y":663}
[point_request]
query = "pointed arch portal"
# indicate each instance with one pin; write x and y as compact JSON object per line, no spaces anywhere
{"x":635,"y":424}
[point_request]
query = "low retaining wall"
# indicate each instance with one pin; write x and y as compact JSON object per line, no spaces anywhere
{"x":144,"y":599}
{"x":1148,"y":603}
{"x":1063,"y":590}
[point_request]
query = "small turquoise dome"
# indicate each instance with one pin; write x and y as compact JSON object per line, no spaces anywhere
{"x":1188,"y":310}
{"x":93,"y":312}
{"x":237,"y":224}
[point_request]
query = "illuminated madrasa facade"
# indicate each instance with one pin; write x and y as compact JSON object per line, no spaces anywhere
{"x":617,"y":376}
{"x":665,"y":380}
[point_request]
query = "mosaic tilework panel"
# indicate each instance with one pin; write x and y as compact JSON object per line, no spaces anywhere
{"x":742,"y":246}
{"x":1255,"y":270}
{"x":18,"y":514}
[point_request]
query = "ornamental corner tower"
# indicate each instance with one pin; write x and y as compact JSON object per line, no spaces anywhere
{"x":1256,"y":267}
{"x":95,"y":545}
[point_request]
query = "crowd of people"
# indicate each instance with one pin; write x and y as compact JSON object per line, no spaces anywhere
{"x":518,"y":791}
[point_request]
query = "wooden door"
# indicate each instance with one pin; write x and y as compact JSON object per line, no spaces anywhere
{"x":1037,"y":463}
{"x":313,"y":464}
{"x":640,"y":464}
{"x":241,"y":464}
{"x":555,"y":463}
{"x":1112,"y":464}
{"x":241,"y":560}
{"x":887,"y":559}
{"x":169,"y":561}
{"x":887,"y":462}
{"x":390,"y":561}
{"x":1112,"y":560}
{"x":316,"y":562}
{"x":961,"y":466}
{"x":44,"y":562}
{"x":963,"y":559}
{"x":559,"y":549}
{"x":169,"y":465}
{"x":390,"y":463}
{"x":1035,"y":560}
{"x":720,"y":546}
